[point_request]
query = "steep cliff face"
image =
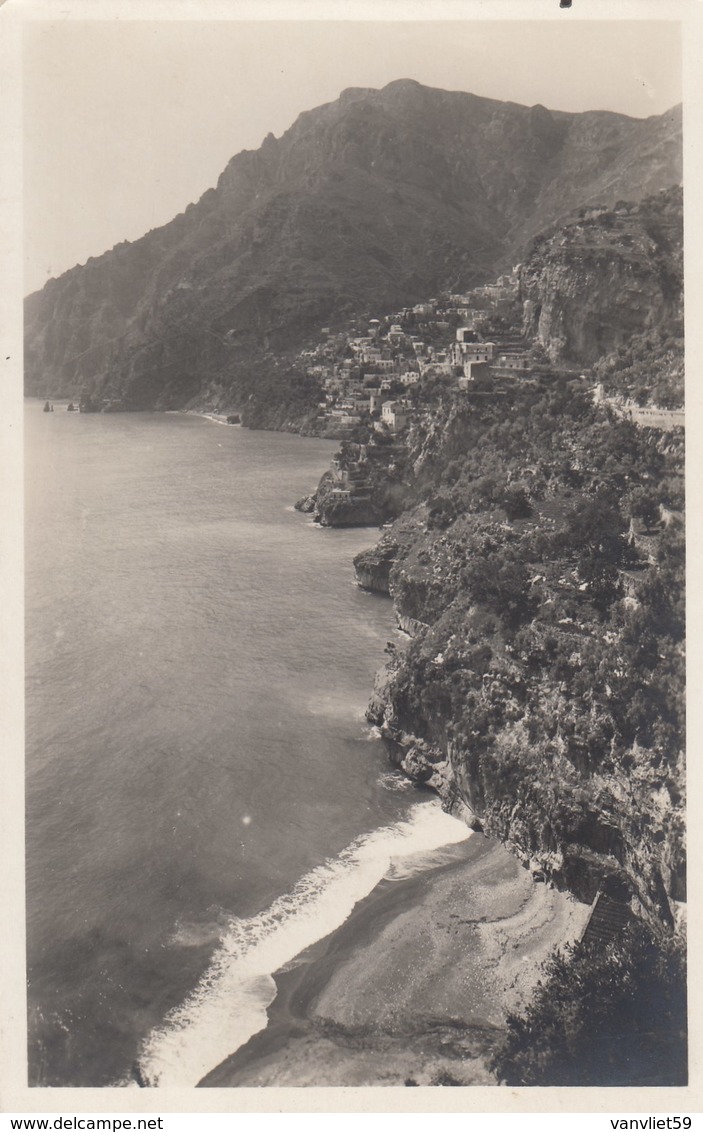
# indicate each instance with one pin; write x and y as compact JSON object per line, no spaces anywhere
{"x":546,"y":729}
{"x":378,"y":198}
{"x":372,"y":568}
{"x":609,"y":275}
{"x":541,"y":692}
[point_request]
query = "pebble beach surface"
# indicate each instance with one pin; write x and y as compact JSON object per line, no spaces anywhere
{"x":415,"y":986}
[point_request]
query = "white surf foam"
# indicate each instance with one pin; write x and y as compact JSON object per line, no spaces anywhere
{"x":229,"y":1004}
{"x":394,"y":780}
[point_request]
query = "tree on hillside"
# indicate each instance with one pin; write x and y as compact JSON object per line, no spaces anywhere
{"x":516,"y":502}
{"x":644,"y":505}
{"x":502,"y":586}
{"x":594,"y":532}
{"x":603,"y":1016}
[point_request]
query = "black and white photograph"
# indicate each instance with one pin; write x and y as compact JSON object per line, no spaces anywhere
{"x":352,"y":400}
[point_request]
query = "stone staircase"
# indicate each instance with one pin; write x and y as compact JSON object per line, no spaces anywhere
{"x":606,"y":919}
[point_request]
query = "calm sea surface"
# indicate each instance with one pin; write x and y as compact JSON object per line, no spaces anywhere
{"x":204,"y":799}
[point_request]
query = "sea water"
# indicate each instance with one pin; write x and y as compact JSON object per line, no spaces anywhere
{"x":204,"y":798}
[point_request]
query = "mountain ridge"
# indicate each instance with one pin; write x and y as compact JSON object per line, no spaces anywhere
{"x":379,"y":197}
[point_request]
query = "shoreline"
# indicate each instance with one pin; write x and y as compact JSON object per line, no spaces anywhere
{"x":216,"y":418}
{"x":414,"y":987}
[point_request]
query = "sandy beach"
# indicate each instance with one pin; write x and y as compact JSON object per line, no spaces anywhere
{"x":216,"y":418}
{"x":415,"y":986}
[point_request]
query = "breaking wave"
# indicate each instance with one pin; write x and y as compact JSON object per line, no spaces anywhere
{"x":229,"y":1004}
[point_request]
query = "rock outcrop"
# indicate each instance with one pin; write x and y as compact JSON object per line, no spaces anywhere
{"x":373,"y":567}
{"x":339,"y":507}
{"x":611,"y":274}
{"x":364,"y":487}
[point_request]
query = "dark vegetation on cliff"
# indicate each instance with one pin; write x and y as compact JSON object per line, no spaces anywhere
{"x":603,"y":1017}
{"x":379,"y":198}
{"x":546,"y":668}
{"x":539,"y":568}
{"x":648,"y":370}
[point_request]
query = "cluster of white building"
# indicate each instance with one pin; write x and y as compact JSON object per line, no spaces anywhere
{"x":369,"y":371}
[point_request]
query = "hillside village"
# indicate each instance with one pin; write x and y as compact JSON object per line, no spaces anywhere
{"x":368,"y":371}
{"x":382,"y":377}
{"x":482,"y":341}
{"x":375,"y":375}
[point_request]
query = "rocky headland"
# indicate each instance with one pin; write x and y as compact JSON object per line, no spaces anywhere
{"x":537,"y":572}
{"x":531,"y":694}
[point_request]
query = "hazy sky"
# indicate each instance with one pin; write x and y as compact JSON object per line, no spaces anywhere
{"x":125,"y":123}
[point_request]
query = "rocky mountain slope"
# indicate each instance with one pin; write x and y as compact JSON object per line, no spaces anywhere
{"x":378,"y":198}
{"x":538,"y":568}
{"x":541,"y":693}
